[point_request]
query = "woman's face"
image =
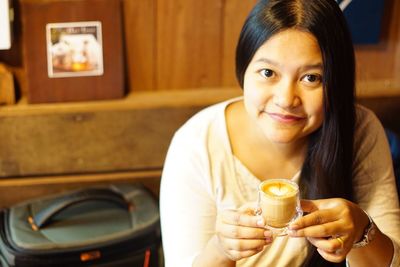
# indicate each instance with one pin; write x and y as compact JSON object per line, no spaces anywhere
{"x":283,"y":91}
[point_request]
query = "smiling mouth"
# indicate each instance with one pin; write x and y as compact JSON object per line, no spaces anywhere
{"x":285,"y":118}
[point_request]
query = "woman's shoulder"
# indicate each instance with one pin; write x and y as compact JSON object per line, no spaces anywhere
{"x":369,"y":132}
{"x":366,"y":119}
{"x":201,"y":122}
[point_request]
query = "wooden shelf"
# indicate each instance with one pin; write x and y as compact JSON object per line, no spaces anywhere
{"x":48,"y":148}
{"x":126,"y":135}
{"x":21,"y":189}
{"x":139,"y":100}
{"x":83,"y":178}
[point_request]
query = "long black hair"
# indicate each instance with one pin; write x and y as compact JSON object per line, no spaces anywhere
{"x":327,"y":169}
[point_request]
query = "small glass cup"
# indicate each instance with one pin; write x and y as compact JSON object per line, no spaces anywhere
{"x":279,"y":204}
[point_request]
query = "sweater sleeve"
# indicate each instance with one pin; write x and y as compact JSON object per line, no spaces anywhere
{"x":374,"y":182}
{"x":187,"y":207}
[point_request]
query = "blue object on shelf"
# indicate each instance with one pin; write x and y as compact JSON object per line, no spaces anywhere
{"x":394,"y":143}
{"x":364,"y":18}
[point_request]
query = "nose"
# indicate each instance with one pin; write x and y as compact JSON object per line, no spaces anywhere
{"x":285,"y":95}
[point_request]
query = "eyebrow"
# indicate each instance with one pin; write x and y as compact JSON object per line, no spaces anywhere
{"x":305,"y":67}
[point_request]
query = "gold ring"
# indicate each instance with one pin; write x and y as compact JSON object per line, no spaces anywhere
{"x":340,"y":241}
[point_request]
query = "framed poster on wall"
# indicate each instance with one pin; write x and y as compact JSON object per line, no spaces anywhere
{"x":73,"y":50}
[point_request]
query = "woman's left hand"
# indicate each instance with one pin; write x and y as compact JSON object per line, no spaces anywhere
{"x":331,"y":225}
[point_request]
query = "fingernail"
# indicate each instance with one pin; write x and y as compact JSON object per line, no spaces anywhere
{"x":267,"y":234}
{"x":260,"y":222}
{"x":291,"y":232}
{"x":294,"y":226}
{"x":268,"y":239}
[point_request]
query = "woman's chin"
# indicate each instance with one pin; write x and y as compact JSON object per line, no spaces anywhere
{"x":283,"y":138}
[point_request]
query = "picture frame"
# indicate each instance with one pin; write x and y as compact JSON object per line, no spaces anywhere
{"x":74,"y":49}
{"x":59,"y":68}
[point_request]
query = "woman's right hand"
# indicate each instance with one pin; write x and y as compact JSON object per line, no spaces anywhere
{"x":241,"y":234}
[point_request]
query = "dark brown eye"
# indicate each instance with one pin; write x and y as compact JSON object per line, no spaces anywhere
{"x":312,"y":78}
{"x":267,"y":73}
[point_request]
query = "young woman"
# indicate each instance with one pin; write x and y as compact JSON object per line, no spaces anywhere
{"x":296,"y":120}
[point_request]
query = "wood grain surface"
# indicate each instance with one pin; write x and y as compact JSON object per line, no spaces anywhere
{"x":35,"y":15}
{"x":187,"y":45}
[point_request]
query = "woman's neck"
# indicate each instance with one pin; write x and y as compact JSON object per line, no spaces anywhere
{"x":265,"y":159}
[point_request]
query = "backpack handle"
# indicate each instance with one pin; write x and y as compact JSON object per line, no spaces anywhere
{"x":45,"y":216}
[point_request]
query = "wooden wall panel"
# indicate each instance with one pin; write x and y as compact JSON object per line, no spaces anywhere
{"x":140,"y":44}
{"x":16,"y":191}
{"x":378,"y":66}
{"x":36,"y":16}
{"x":87,"y":141}
{"x":234,"y":15}
{"x":189,"y":36}
{"x":190,"y":44}
{"x":96,"y":137}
